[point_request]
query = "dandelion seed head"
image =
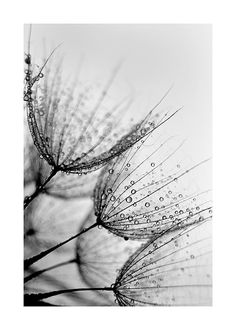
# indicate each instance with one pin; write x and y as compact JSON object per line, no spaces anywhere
{"x":155,"y":203}
{"x":161,"y":274}
{"x":76,"y":127}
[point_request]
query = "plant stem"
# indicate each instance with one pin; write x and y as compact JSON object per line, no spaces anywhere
{"x":32,"y":260}
{"x":31,"y":299}
{"x":39,"y":272}
{"x":39,"y":189}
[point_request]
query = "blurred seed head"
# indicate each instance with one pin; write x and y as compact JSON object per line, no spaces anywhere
{"x":100,"y":256}
{"x":49,"y":221}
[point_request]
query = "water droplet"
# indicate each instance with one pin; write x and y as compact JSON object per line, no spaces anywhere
{"x":133,"y":191}
{"x":136,"y":222}
{"x":161,"y":199}
{"x":147,"y":204}
{"x":143,"y":131}
{"x":111,"y":171}
{"x":128,"y":199}
{"x":153,"y":164}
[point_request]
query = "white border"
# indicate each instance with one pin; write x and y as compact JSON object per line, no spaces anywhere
{"x":14,"y":14}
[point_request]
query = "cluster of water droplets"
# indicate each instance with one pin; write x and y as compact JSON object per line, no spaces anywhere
{"x":172,"y":270}
{"x":78,"y":127}
{"x":37,"y":170}
{"x":149,"y":189}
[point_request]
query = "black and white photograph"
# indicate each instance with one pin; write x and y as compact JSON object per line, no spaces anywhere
{"x":117,"y":142}
{"x":117,"y":165}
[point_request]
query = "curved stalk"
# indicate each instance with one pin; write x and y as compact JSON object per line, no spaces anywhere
{"x":41,"y":271}
{"x":32,"y":260}
{"x":39,"y":189}
{"x":35,"y":298}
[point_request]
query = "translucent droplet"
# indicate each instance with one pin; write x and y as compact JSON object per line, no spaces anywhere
{"x":161,"y":199}
{"x":153,"y":164}
{"x":143,"y":131}
{"x":109,"y":190}
{"x":128,"y":199}
{"x":133,"y":191}
{"x":147,"y":204}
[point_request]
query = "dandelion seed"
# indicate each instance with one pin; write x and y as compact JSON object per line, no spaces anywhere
{"x":78,"y":134}
{"x":161,"y":274}
{"x":37,"y":170}
{"x":154,"y":213}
